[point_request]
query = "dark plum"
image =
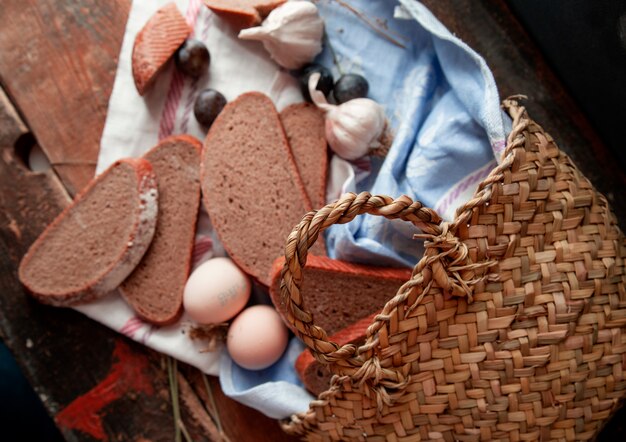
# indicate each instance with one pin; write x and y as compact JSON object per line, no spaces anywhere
{"x":349,"y":87}
{"x":193,"y":58}
{"x":209,"y":103}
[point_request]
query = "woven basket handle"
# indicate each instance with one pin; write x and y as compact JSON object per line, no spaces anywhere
{"x":303,"y":237}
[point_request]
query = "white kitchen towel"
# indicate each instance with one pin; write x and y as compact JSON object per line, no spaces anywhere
{"x":134,"y":124}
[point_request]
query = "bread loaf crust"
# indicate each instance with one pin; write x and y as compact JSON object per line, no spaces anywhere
{"x":316,"y":376}
{"x":323,"y":294}
{"x":304,"y":127}
{"x":243,"y":13}
{"x":155,"y":301}
{"x":251,"y":215}
{"x":127,"y":259}
{"x":156,"y":43}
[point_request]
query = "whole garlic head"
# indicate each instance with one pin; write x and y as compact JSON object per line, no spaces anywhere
{"x":353,"y":128}
{"x":292,"y":34}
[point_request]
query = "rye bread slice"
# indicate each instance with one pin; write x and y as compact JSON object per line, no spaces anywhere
{"x":243,"y":13}
{"x":304,"y":126}
{"x":94,"y":244}
{"x":156,"y":43}
{"x":155,"y":288}
{"x":339,"y":293}
{"x":250,"y":184}
{"x":316,"y":376}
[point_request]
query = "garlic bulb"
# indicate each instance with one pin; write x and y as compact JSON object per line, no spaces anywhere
{"x":291,"y":33}
{"x":354,"y":128}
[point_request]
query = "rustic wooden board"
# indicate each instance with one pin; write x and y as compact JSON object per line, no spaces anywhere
{"x":60,"y":73}
{"x":60,"y":76}
{"x":239,"y":422}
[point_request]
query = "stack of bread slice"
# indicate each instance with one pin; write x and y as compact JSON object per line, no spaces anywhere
{"x":133,"y":227}
{"x":258,"y":173}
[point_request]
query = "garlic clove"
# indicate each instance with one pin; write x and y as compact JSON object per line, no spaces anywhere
{"x":258,"y":33}
{"x":292,"y":34}
{"x":355,"y":128}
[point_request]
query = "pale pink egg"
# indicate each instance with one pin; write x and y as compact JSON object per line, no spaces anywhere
{"x":216,"y":291}
{"x":257,"y":337}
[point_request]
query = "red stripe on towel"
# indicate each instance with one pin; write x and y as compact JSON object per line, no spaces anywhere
{"x":175,"y":92}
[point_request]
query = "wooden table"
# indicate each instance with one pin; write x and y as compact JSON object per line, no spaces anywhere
{"x":57,"y":64}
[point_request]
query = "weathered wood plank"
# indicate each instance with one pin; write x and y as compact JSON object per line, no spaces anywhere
{"x":60,"y":74}
{"x":240,"y":423}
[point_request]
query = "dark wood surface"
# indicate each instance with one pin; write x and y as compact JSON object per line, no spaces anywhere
{"x":60,"y":73}
{"x":57,"y":79}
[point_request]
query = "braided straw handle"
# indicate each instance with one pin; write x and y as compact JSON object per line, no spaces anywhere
{"x":303,"y":237}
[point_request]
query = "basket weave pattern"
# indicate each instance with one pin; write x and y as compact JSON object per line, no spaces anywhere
{"x":512,"y":327}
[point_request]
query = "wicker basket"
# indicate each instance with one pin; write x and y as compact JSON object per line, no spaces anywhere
{"x":513,"y":326}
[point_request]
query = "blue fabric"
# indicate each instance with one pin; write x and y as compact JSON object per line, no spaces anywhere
{"x":444,"y":109}
{"x":443,"y":106}
{"x":276,"y":391}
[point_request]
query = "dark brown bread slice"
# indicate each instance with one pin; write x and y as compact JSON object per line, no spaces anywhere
{"x":94,"y":244}
{"x":316,"y":376}
{"x":339,"y":293}
{"x":155,"y":44}
{"x":155,"y":288}
{"x":250,"y":184}
{"x":243,"y":13}
{"x":304,"y":126}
